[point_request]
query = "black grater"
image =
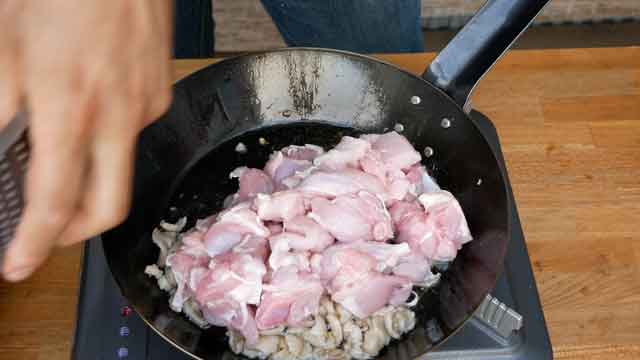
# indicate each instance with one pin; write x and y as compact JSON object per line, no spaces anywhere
{"x":14,"y":156}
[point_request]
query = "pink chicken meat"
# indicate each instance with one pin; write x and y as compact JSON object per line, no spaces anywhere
{"x":361,"y":223}
{"x":290,"y":298}
{"x":352,"y":217}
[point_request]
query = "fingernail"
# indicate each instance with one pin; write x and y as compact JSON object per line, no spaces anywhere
{"x":18,"y":274}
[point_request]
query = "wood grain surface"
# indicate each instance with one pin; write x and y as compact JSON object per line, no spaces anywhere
{"x":569,"y":122}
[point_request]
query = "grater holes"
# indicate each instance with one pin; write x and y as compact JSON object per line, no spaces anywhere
{"x":6,"y":177}
{"x":15,"y":202}
{"x":9,"y":187}
{"x":4,"y":224}
{"x":13,"y":166}
{"x":11,"y":195}
{"x":23,"y":156}
{"x":19,"y":146}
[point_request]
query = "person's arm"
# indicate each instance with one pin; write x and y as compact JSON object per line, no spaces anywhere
{"x":92,"y":74}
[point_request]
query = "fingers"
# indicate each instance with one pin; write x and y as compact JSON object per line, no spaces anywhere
{"x":88,"y":97}
{"x":107,"y":195}
{"x":10,"y":69}
{"x":10,"y":90}
{"x":161,"y":97}
{"x":160,"y":54}
{"x":53,"y":185}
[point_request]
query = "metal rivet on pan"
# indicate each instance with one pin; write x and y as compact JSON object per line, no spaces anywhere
{"x":398,"y":127}
{"x":415,"y":100}
{"x":479,"y":182}
{"x":428,"y":151}
{"x":256,"y":101}
{"x":241,"y":148}
{"x":445,"y":123}
{"x":262,"y":141}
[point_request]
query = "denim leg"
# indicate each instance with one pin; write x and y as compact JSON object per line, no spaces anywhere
{"x":193,"y":32}
{"x":365,"y":26}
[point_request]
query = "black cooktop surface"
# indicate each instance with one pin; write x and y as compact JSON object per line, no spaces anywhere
{"x":509,"y":325}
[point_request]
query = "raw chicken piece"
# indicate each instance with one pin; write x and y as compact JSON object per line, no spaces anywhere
{"x":398,"y":186}
{"x":387,"y":256}
{"x":231,"y":314}
{"x":191,"y":259}
{"x":347,"y":153}
{"x":280,"y":167}
{"x":372,"y":164}
{"x":307,"y":152}
{"x":274,"y":228}
{"x":236,"y":276}
{"x":314,"y":237}
{"x":436,"y":232}
{"x":284,"y":164}
{"x":315,"y":263}
{"x":253,"y":245}
{"x":390,"y":153}
{"x":251,"y":183}
{"x":231,"y":227}
{"x":294,"y":180}
{"x":182,"y":264}
{"x":292,"y":246}
{"x":421,"y":181}
{"x":416,"y":268}
{"x":204,"y":224}
{"x":233,"y":281}
{"x":358,"y":297}
{"x":243,"y":215}
{"x":339,"y":256}
{"x":281,"y":206}
{"x":353,"y":217}
{"x":395,"y":151}
{"x":282,"y":254}
{"x":402,"y":210}
{"x":341,"y":182}
{"x":445,"y":210}
{"x":289,"y":298}
{"x":351,"y":279}
{"x":193,"y":243}
{"x":394,"y":180}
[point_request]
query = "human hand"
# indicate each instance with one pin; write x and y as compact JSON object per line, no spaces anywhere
{"x":92,"y":74}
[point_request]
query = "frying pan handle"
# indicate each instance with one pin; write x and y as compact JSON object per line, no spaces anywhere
{"x":479,"y":44}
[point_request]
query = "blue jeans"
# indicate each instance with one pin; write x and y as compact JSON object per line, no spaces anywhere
{"x":365,"y":26}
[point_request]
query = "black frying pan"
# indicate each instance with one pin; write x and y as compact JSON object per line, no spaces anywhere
{"x":298,"y":96}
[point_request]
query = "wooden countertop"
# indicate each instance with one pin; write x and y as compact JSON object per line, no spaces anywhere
{"x":569,"y":122}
